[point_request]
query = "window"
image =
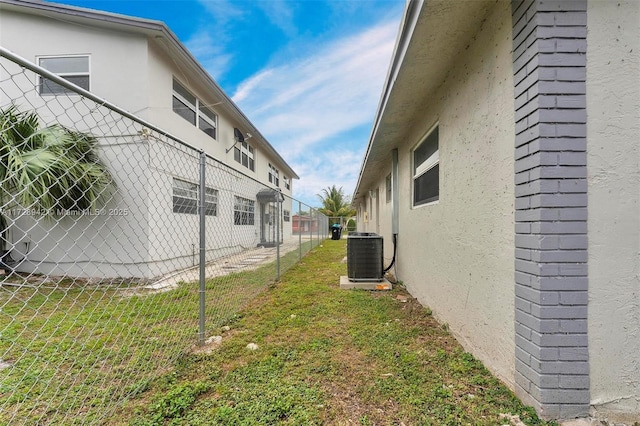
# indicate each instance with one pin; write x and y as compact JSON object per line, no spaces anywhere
{"x":287,"y":215}
{"x":426,"y":174}
{"x":243,"y":154}
{"x":243,"y":211}
{"x":72,"y":68}
{"x":274,"y":175}
{"x":287,"y":182}
{"x":185,"y":198}
{"x":184,"y":103}
{"x":388,"y":188}
{"x":207,"y":121}
{"x":193,"y":110}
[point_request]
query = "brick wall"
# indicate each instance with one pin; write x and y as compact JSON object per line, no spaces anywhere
{"x":549,"y":65}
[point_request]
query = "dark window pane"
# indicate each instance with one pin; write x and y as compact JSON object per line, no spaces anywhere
{"x":236,"y":154}
{"x":207,"y":128}
{"x":185,"y":205}
{"x":184,"y":111}
{"x":79,"y":80}
{"x":48,"y":87}
{"x":210,"y":114}
{"x":426,"y":188}
{"x":69,"y":64}
{"x":177,"y":87}
{"x":426,"y":149}
{"x":210,"y":209}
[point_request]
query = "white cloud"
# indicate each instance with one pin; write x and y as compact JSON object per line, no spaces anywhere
{"x":248,"y":86}
{"x":280,"y":14}
{"x":209,"y":53}
{"x":323,"y":169}
{"x":210,"y":40}
{"x":334,"y":89}
{"x":222,"y":11}
{"x":306,"y":106}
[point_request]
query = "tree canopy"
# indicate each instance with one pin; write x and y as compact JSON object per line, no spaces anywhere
{"x":335,"y":203}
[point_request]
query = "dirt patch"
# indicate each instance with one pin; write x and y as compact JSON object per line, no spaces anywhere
{"x":346,"y":393}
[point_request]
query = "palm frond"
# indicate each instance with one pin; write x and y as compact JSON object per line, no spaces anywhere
{"x":49,"y":167}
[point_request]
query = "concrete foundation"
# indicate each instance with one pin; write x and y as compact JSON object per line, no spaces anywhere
{"x":364,"y":285}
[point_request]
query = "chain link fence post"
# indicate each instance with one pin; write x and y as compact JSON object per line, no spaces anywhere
{"x":278,"y":236}
{"x":203,"y":247}
{"x":299,"y":230}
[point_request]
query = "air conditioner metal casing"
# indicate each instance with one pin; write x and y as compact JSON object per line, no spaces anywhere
{"x":364,"y":256}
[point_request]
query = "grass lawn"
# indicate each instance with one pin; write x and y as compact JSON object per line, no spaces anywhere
{"x":79,"y":352}
{"x":328,"y":356}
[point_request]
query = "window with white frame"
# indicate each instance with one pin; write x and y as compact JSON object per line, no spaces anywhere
{"x":244,"y":154}
{"x":287,"y":215}
{"x":74,"y":68}
{"x":208,"y":121}
{"x":185,"y":198}
{"x":426,"y":170}
{"x":193,"y":110}
{"x":274,"y":175}
{"x":287,"y":182}
{"x":243,"y":211}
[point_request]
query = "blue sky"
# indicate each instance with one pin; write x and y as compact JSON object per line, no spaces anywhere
{"x":307,"y":73}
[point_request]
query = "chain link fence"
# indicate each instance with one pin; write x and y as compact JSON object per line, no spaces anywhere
{"x":122,"y":249}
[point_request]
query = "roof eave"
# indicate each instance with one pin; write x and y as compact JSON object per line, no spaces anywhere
{"x":407,"y":27}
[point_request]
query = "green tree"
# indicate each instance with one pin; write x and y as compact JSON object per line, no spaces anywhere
{"x":335,"y":203}
{"x":47,"y":168}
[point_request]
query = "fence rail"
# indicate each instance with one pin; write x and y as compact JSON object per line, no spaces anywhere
{"x":122,"y":248}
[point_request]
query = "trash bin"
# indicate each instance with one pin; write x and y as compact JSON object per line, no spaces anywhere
{"x":336,"y":231}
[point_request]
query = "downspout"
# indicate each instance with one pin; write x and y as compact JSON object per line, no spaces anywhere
{"x":394,"y":192}
{"x":394,"y":209}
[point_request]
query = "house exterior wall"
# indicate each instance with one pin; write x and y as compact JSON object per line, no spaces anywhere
{"x":117,"y":60}
{"x":561,"y":307}
{"x":111,"y":242}
{"x":613,"y":164}
{"x":61,"y":245}
{"x":162,"y":70}
{"x":456,"y":255}
{"x":379,"y":214}
{"x":134,"y":72}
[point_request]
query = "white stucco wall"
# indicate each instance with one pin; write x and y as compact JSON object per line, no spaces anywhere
{"x":85,"y":245}
{"x":117,"y":60}
{"x":161,"y":71}
{"x":107,"y":243}
{"x":613,"y":164}
{"x":379,"y":214}
{"x":457,"y":255}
